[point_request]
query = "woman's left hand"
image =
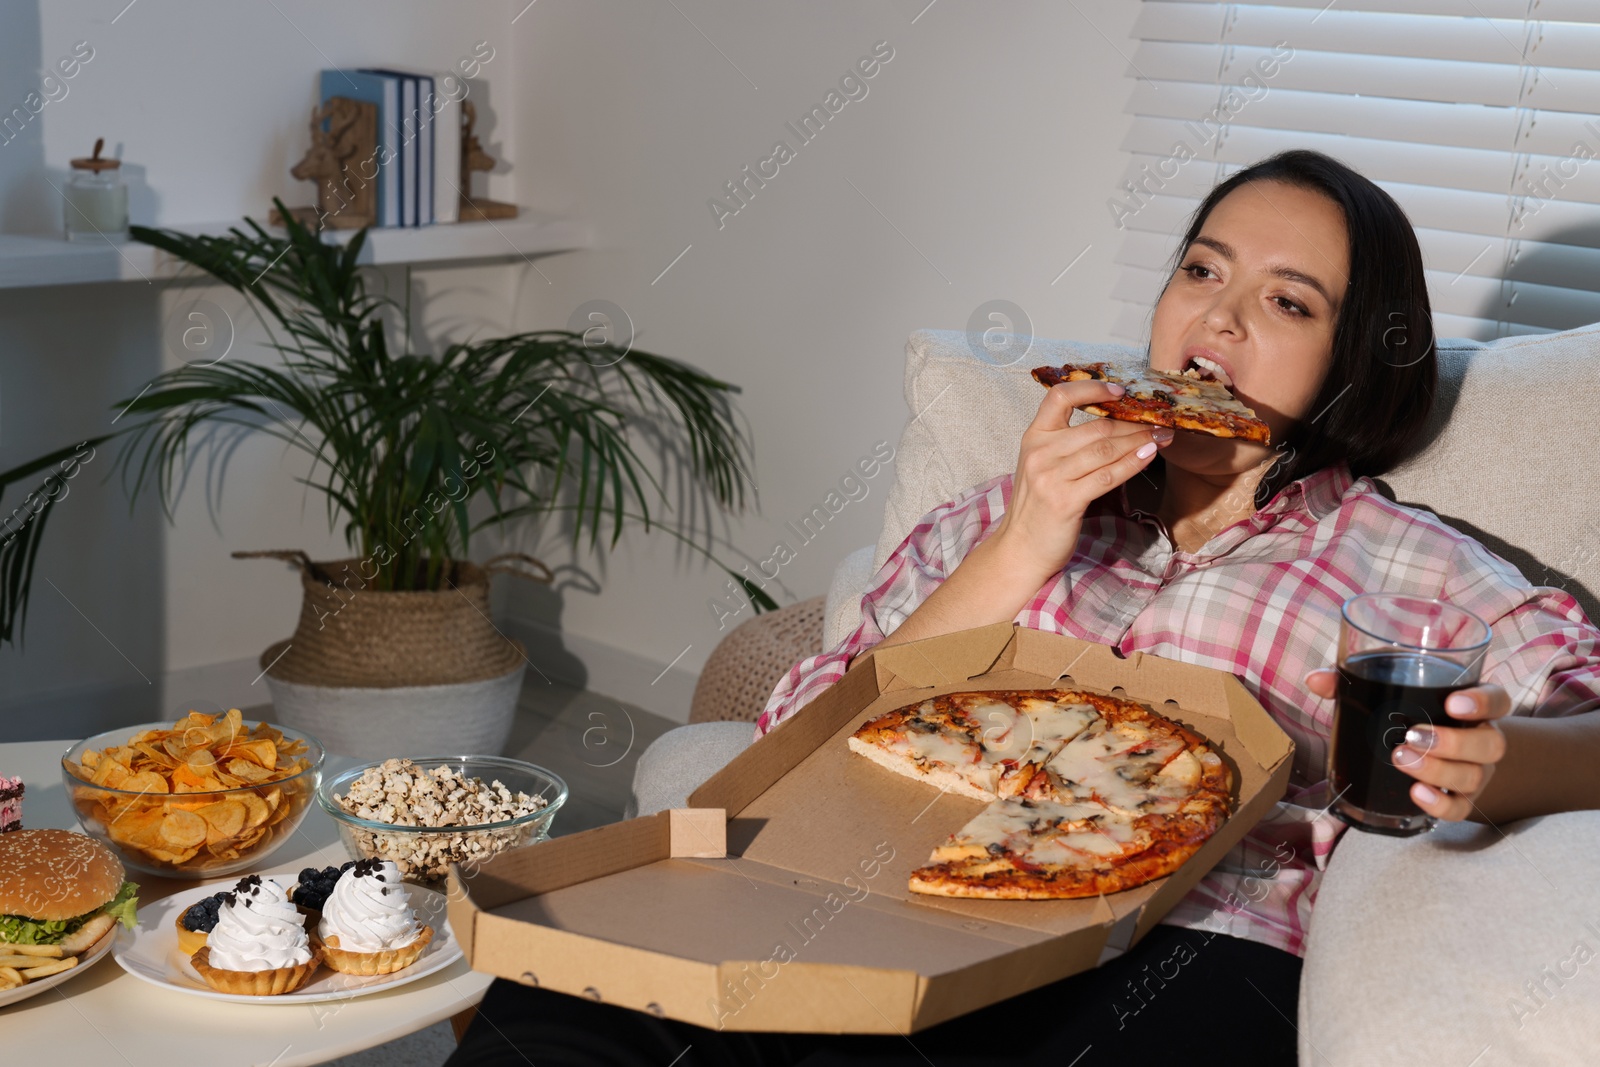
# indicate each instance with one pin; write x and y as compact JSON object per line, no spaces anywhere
{"x":1457,"y":759}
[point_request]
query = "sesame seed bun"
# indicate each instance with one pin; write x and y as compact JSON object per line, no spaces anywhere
{"x":51,"y":875}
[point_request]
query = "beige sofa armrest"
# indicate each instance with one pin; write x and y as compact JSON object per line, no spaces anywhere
{"x":843,"y":611}
{"x":677,"y":762}
{"x":1435,"y":948}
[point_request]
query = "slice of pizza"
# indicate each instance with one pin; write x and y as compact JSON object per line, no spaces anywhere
{"x":1193,"y":400}
{"x":1137,"y":763}
{"x":980,"y":745}
{"x":1043,"y":850}
{"x":925,"y":742}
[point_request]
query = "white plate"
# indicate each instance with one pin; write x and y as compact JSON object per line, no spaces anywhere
{"x":85,"y":960}
{"x":151,"y":952}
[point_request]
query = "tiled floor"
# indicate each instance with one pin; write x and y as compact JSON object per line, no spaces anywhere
{"x":592,"y":743}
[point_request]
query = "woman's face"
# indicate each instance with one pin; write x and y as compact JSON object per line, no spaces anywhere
{"x":1256,"y":294}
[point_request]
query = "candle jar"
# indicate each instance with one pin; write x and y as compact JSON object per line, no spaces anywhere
{"x":96,"y":201}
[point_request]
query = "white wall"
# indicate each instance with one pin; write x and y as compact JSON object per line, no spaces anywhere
{"x":208,"y":104}
{"x":987,"y":145}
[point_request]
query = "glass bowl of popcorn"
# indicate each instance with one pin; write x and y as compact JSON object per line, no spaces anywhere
{"x":427,"y":812}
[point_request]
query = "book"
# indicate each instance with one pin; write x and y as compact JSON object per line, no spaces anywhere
{"x":425,"y":157}
{"x":450,"y":90}
{"x":406,"y":133}
{"x":385,"y":92}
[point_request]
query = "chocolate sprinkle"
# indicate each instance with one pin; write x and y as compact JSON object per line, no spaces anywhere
{"x":368,"y":868}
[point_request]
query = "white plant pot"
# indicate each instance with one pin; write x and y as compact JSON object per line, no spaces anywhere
{"x":467,"y":718}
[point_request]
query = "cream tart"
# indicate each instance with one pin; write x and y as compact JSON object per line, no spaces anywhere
{"x":259,"y":946}
{"x":367,"y":924}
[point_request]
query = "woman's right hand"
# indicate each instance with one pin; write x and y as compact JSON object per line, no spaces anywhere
{"x":1061,"y":469}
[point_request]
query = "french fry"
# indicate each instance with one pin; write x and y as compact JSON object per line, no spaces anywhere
{"x":20,"y":961}
{"x":44,"y":970}
{"x":11,"y":976}
{"x":53,"y":951}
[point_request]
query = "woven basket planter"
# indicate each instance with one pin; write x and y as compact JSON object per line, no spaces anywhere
{"x":375,"y":674}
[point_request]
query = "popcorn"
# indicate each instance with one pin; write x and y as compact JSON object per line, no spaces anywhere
{"x":402,"y":794}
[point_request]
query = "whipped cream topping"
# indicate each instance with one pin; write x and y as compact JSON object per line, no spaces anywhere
{"x":370,"y":909}
{"x":258,"y":929}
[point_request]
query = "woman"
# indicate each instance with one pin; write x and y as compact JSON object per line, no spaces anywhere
{"x":1300,"y":283}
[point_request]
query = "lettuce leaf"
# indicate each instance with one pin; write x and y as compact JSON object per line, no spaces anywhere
{"x":20,"y":931}
{"x":124,"y":906}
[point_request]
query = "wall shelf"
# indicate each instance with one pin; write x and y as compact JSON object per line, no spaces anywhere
{"x":35,"y":261}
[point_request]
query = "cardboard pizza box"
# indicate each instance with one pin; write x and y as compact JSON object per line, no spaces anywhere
{"x":778,"y":899}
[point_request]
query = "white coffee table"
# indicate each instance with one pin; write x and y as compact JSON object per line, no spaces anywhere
{"x":106,"y":1016}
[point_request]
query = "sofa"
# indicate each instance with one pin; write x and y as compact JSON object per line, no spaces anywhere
{"x":1469,"y":946}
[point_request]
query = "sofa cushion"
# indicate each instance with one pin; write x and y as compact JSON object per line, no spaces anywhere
{"x":1518,"y":483}
{"x":851,"y":579}
{"x":680,"y":760}
{"x":1468,"y":945}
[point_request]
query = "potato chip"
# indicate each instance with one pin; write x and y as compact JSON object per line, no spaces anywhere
{"x":229,"y":727}
{"x":255,"y":808}
{"x":183,"y":829}
{"x":139,"y":828}
{"x":159,"y":757}
{"x":186,"y":780}
{"x":144,"y":782}
{"x":250,"y":772}
{"x":223,"y":819}
{"x":174,"y":857}
{"x":109,"y":773}
{"x":263,"y":753}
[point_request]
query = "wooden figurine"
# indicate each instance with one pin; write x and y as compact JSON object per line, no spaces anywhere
{"x":474,"y":158}
{"x":344,"y":148}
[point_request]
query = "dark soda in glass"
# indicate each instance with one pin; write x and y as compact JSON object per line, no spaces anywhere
{"x":1382,"y":695}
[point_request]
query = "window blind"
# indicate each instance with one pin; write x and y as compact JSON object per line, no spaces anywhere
{"x":1480,"y":117}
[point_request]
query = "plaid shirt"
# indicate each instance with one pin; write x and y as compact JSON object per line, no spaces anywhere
{"x":1262,"y":601}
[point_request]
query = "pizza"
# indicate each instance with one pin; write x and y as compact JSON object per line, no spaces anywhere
{"x":1089,"y":794}
{"x":1187,"y":401}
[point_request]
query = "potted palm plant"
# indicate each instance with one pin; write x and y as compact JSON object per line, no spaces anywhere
{"x":413,"y":454}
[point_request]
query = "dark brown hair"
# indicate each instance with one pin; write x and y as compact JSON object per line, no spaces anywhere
{"x":1372,"y":410}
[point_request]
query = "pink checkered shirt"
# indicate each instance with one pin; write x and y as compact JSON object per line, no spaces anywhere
{"x":1262,"y":600}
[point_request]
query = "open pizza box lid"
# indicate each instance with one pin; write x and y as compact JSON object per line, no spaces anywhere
{"x":778,"y":899}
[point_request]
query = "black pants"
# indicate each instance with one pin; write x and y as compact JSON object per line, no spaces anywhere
{"x":1180,"y":996}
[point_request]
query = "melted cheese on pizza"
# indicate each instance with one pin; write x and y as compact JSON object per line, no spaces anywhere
{"x":1032,"y":737}
{"x":1186,"y":392}
{"x":935,"y":749}
{"x":1043,"y":834}
{"x":1117,"y":766}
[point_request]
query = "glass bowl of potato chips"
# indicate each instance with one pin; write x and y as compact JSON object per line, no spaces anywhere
{"x":203,"y":797}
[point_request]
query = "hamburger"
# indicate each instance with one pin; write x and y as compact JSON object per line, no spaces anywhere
{"x":61,"y":888}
